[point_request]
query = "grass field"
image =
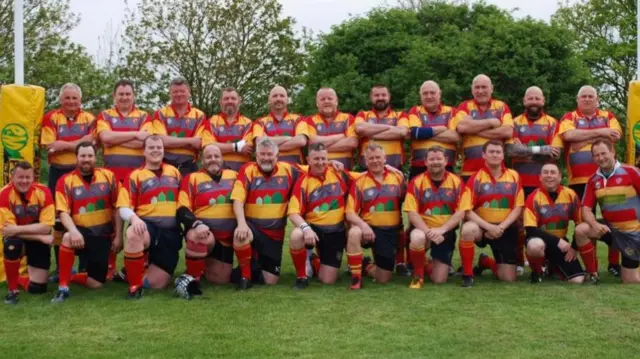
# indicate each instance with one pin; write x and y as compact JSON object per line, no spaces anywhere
{"x":492,"y":319}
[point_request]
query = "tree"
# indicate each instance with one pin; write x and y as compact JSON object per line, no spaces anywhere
{"x":51,"y":58}
{"x":449,"y":43}
{"x":246,"y":44}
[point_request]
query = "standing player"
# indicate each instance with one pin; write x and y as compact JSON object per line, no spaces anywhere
{"x":316,"y":209}
{"x":205,"y":210}
{"x":28,"y":215}
{"x":546,"y":219}
{"x":479,"y":121}
{"x":382,"y":124}
{"x":432,"y":124}
{"x":374,"y":215}
{"x":332,"y":128}
{"x":148,"y":201}
{"x":287,"y":130}
{"x":579,"y":129}
{"x":233,"y":133}
{"x":183,"y":128}
{"x":433,"y":207}
{"x":616,"y":188}
{"x":535,"y":141}
{"x":62,"y":130}
{"x":86,"y":201}
{"x":493,"y":201}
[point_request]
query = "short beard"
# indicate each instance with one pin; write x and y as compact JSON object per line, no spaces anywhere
{"x":380,"y":105}
{"x":533,"y":114}
{"x":264,"y":169}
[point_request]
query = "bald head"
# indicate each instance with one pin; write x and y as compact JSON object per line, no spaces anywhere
{"x":533,"y":102}
{"x":534,"y":90}
{"x":482,"y":89}
{"x":482,"y":78}
{"x":327,"y":102}
{"x":430,"y":95}
{"x":278,"y":99}
{"x":587,"y":100}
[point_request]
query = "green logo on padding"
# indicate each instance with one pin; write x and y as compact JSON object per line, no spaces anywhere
{"x":14,"y":138}
{"x":636,"y":132}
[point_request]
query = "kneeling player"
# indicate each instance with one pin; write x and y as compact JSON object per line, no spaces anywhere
{"x":493,"y":201}
{"x":148,"y":200}
{"x":28,"y":216}
{"x":432,"y":204}
{"x":616,"y":187}
{"x":546,"y":220}
{"x":206,"y":211}
{"x":373,"y":211}
{"x":86,"y":200}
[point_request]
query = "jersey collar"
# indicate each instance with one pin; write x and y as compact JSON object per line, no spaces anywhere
{"x":175,"y":113}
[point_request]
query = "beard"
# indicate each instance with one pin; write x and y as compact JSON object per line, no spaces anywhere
{"x":533,"y":112}
{"x":266,"y":167}
{"x":380,"y":105}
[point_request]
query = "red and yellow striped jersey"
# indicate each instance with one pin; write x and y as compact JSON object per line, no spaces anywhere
{"x":240,"y":128}
{"x":541,"y":132}
{"x":320,"y":200}
{"x":119,"y":159}
{"x":291,"y":125}
{"x":618,"y":196}
{"x":90,"y":205}
{"x":266,"y":197}
{"x":393,"y":149}
{"x":35,"y":206}
{"x":192,"y":124}
{"x":472,"y":144}
{"x":57,"y":127}
{"x":210,"y":202}
{"x":553,"y":217}
{"x":153,"y":198}
{"x":493,"y":198}
{"x":436,"y":205}
{"x":580,"y":164}
{"x":420,"y":117}
{"x":343,"y":124}
{"x":377,"y":203}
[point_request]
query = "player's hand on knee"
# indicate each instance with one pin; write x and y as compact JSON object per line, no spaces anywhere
{"x":202,"y":232}
{"x":601,"y":229}
{"x":570,"y":255}
{"x":116,"y":244}
{"x":242,"y":233}
{"x":139,"y":227}
{"x":563,"y":245}
{"x":76,"y":240}
{"x":367,"y":233}
{"x":310,"y":238}
{"x":47,"y":239}
{"x":9,"y":230}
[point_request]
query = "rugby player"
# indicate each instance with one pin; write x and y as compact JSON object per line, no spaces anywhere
{"x":148,"y":200}
{"x":373,"y":212}
{"x":85,"y":201}
{"x":205,"y":210}
{"x":547,"y":214}
{"x":28,"y":215}
{"x":579,"y":129}
{"x":616,"y":188}
{"x":183,"y":129}
{"x":493,"y":201}
{"x":233,"y":133}
{"x":433,"y":207}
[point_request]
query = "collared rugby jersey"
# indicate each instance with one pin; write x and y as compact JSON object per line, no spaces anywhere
{"x":119,"y":159}
{"x":35,"y":206}
{"x":291,"y":125}
{"x":436,"y":205}
{"x":421,"y":118}
{"x":393,"y":149}
{"x":90,"y":205}
{"x":472,"y":144}
{"x":153,"y":198}
{"x":57,"y":127}
{"x":580,"y":164}
{"x":493,"y":198}
{"x":551,"y":216}
{"x":378,"y":204}
{"x":210,"y":202}
{"x":241,"y":128}
{"x":344,"y":124}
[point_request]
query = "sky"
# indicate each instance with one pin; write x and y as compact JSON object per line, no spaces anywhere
{"x":100,"y":18}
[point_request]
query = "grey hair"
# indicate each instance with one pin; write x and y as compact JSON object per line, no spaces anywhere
{"x":71,"y":85}
{"x":179,"y":81}
{"x":372,"y":146}
{"x":266,"y":142}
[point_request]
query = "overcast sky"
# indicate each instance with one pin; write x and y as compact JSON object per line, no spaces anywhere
{"x":319,"y":15}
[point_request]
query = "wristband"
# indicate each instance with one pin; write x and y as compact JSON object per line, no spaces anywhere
{"x":196,"y":224}
{"x":240,"y":145}
{"x":536,"y":149}
{"x":304,"y":226}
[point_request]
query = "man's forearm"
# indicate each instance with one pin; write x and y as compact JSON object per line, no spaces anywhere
{"x":392,"y":133}
{"x":512,"y":217}
{"x":116,"y":138}
{"x":355,"y":220}
{"x":474,"y":217}
{"x":447,"y":136}
{"x":370,"y":129}
{"x":296,"y":219}
{"x":454,"y":221}
{"x":345,"y":144}
{"x":238,"y":211}
{"x":133,"y":144}
{"x":35,"y":228}
{"x":175,"y":142}
{"x":67,"y":222}
{"x":588,"y":216}
{"x":500,"y":133}
{"x":416,"y":220}
{"x":326,"y":140}
{"x":470,"y":126}
{"x":293,"y":143}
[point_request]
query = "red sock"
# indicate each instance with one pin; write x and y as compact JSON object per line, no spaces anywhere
{"x":428,"y":267}
{"x":134,"y":263}
{"x":520,"y":248}
{"x":402,"y":243}
{"x":299,"y":259}
{"x":12,"y":270}
{"x":588,"y":255}
{"x":355,"y":263}
{"x":315,"y":263}
{"x":195,"y":267}
{"x":490,"y":263}
{"x":467,"y":252}
{"x":417,"y":258}
{"x":23,"y":280}
{"x":536,"y":264}
{"x":614,"y":256}
{"x":66,"y":258}
{"x":244,"y":260}
{"x":112,"y":264}
{"x":80,"y":278}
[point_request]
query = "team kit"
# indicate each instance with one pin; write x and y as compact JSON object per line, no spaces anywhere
{"x":152,"y":197}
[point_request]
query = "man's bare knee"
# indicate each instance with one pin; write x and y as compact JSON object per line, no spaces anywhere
{"x":417,"y":238}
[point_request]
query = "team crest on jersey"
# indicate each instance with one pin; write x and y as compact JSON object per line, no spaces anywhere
{"x":545,"y":128}
{"x":169,"y":121}
{"x":372,"y":120}
{"x":135,"y":120}
{"x":598,"y":185}
{"x":61,"y":129}
{"x":78,"y":191}
{"x":102,"y":187}
{"x":618,"y":180}
{"x":523,"y":129}
{"x":507,"y":185}
{"x":114,"y":120}
{"x":280,"y":180}
{"x":269,"y":124}
{"x":486,"y":187}
{"x":582,"y":122}
{"x":319,"y":127}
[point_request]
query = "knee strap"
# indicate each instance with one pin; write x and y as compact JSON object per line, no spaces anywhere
{"x":12,"y":249}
